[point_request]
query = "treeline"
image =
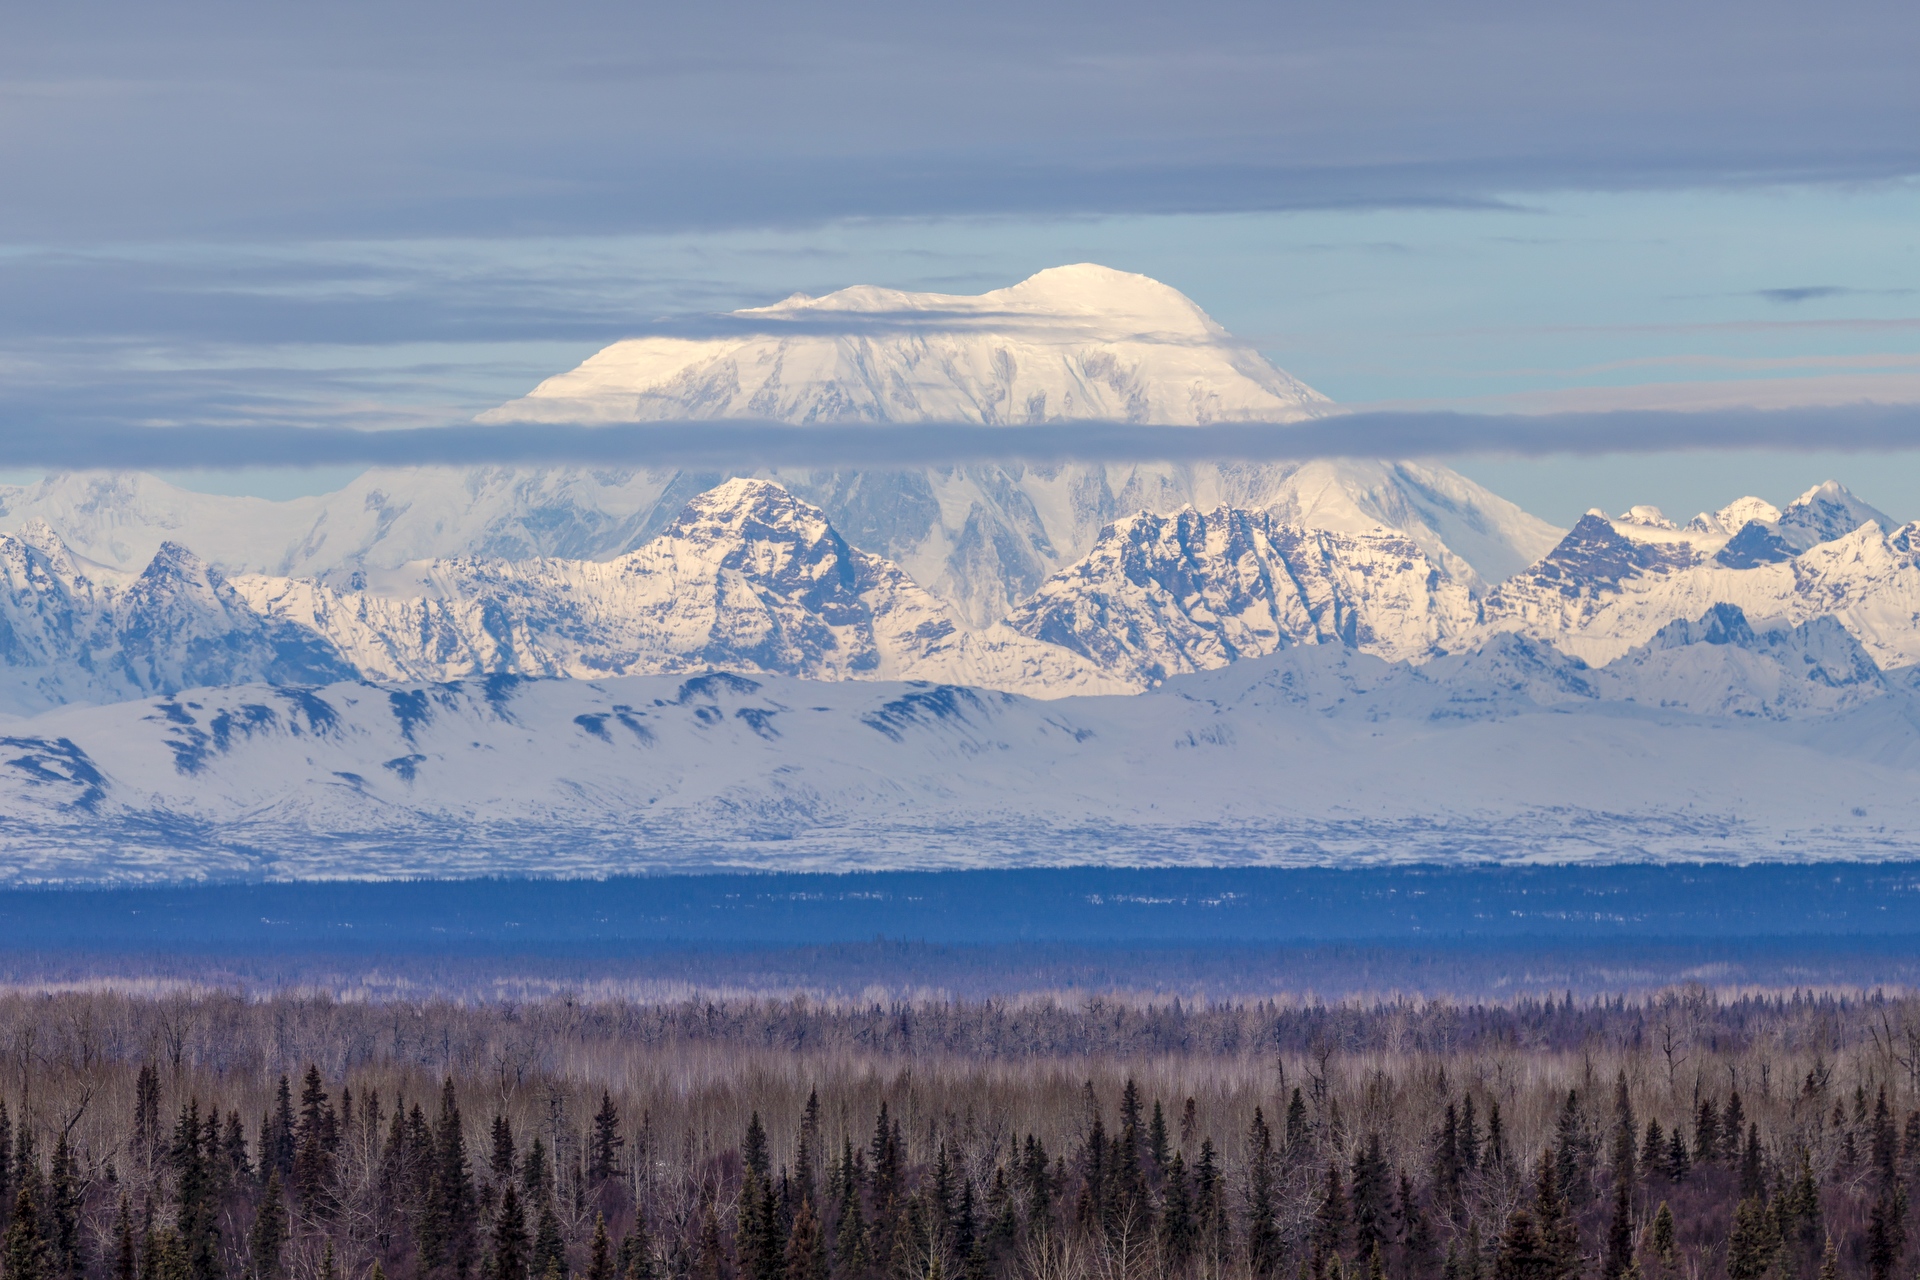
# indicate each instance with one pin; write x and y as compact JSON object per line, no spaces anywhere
{"x":212,"y":1138}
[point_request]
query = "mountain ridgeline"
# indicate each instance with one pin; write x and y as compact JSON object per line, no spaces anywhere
{"x":1087,"y":661}
{"x":750,"y":578}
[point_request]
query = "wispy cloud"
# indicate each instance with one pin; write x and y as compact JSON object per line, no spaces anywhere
{"x":1814,"y":292}
{"x":1860,"y":427}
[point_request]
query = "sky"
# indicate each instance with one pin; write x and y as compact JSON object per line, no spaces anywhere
{"x":379,"y":216}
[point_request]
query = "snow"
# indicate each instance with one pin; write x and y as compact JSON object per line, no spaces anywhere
{"x":1311,"y":755}
{"x":1610,"y":586}
{"x":748,"y":578}
{"x":1089,"y":341}
{"x":1081,"y":342}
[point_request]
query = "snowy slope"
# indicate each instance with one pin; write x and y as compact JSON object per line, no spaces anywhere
{"x":748,"y":578}
{"x":1315,"y":755}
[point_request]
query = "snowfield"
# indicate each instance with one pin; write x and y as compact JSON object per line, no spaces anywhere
{"x":1718,"y":743}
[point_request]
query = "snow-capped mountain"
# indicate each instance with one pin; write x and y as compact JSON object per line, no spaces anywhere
{"x":1314,"y":754}
{"x":1079,"y":342}
{"x":1166,"y":595}
{"x":1082,"y":342}
{"x":1612,"y":584}
{"x":74,"y":631}
{"x":748,"y":578}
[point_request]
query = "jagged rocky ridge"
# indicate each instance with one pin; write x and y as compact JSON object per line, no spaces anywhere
{"x":72,"y":631}
{"x":751,"y":579}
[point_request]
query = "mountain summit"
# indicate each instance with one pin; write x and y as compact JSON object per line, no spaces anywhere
{"x":1080,"y":342}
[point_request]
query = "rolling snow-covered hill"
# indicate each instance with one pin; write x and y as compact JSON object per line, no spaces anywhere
{"x":1512,"y":752}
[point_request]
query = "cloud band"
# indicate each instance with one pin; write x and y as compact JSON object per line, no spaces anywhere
{"x":1414,"y":434}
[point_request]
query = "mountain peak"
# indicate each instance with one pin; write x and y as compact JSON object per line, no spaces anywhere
{"x":1074,"y":343}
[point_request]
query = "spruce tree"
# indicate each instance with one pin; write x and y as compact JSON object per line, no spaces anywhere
{"x":1329,"y":1232}
{"x":1176,"y":1214}
{"x":25,"y":1254}
{"x":600,"y":1251}
{"x":1496,"y":1136}
{"x":1263,"y":1235}
{"x":277,"y":1145}
{"x":1733,"y":1128}
{"x":1677,"y":1162}
{"x":1663,"y":1233}
{"x":269,"y":1234}
{"x":637,"y":1251}
{"x":535,"y":1175}
{"x":1296,"y":1123}
{"x":806,"y":1253}
{"x":1706,"y":1132}
{"x":1619,"y":1256}
{"x":63,"y":1210}
{"x":1653,"y":1149}
{"x":124,"y":1265}
{"x":1886,"y":1233}
{"x":510,"y":1254}
{"x":447,"y":1219}
{"x":1370,"y":1193}
{"x":504,"y":1160}
{"x":1157,"y":1141}
{"x":1521,"y":1254}
{"x":1751,"y":1245}
{"x":549,"y":1249}
{"x":604,"y":1159}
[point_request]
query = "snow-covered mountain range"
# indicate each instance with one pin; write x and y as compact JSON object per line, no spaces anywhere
{"x":981,"y":536}
{"x":1718,"y":741}
{"x":878,"y":667}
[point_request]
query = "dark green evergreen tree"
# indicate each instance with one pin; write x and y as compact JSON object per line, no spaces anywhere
{"x":1706,"y":1132}
{"x":549,"y":1249}
{"x":510,"y":1254}
{"x":124,"y":1265}
{"x":1296,"y":1124}
{"x":25,"y":1253}
{"x":1329,"y":1231}
{"x":1263,"y":1234}
{"x":603,"y":1159}
{"x":269,"y":1234}
{"x":1619,"y":1257}
{"x":1370,"y":1195}
{"x":447,"y":1218}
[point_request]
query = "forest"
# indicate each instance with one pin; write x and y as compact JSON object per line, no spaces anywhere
{"x":1689,"y":1134}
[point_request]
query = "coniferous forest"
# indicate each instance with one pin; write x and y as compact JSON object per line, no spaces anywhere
{"x":1689,"y":1135}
